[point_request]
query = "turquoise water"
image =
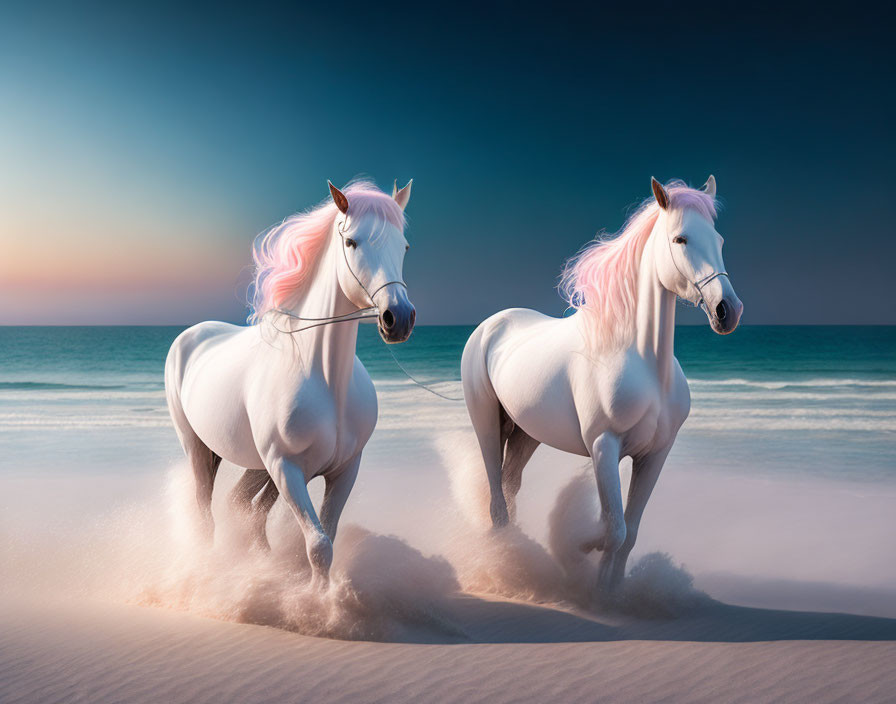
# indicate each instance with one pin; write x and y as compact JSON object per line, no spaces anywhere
{"x":89,"y":355}
{"x":816,"y":400}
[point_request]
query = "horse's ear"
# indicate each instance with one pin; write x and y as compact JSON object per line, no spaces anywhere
{"x":710,"y":186}
{"x":662,"y":198}
{"x":402,"y":196}
{"x":338,"y":198}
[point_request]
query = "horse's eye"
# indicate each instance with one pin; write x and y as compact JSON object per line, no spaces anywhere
{"x":350,"y":243}
{"x":680,"y":239}
{"x":407,"y":247}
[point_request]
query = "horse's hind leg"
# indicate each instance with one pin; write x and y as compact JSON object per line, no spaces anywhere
{"x":262,"y":507}
{"x":485,"y":414}
{"x":205,"y":465}
{"x":203,"y":462}
{"x":253,"y":496}
{"x":247,"y":488}
{"x":517,"y":452}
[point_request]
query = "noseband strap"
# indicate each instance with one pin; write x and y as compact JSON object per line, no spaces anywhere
{"x":705,"y":280}
{"x":380,"y":288}
{"x":700,"y":283}
{"x":369,"y":312}
{"x":342,"y":229}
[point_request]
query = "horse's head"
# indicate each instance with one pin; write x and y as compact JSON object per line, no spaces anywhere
{"x":369,"y":267}
{"x":689,"y":257}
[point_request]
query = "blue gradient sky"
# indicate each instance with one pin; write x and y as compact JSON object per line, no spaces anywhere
{"x":141,"y":150}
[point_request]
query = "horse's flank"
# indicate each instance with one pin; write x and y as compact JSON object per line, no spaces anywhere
{"x":601,"y":281}
{"x":285,"y":255}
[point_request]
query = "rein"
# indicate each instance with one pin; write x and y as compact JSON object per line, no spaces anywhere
{"x":342,"y":230}
{"x":360,"y":314}
{"x":370,"y":311}
{"x":423,"y":386}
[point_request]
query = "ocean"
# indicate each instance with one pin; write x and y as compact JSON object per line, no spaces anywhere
{"x":784,"y":471}
{"x":819,"y":401}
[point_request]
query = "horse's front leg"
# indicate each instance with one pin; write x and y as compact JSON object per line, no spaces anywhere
{"x":605,"y":456}
{"x":645,"y":472}
{"x":339,"y":486}
{"x":290,"y":481}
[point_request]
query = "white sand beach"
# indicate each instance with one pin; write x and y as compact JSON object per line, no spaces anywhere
{"x":89,"y":652}
{"x":117,"y":609}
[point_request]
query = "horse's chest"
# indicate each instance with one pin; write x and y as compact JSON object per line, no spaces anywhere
{"x":656,"y":428}
{"x":648,"y":415}
{"x":324,"y":430}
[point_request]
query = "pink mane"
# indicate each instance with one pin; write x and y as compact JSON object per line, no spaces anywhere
{"x":601,"y":281}
{"x":286,"y":254}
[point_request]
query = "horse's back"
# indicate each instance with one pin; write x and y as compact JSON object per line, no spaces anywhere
{"x":538,"y":369}
{"x":522,"y":357}
{"x":188,"y":342}
{"x":496,"y":331}
{"x":205,"y":374}
{"x":220,"y":375}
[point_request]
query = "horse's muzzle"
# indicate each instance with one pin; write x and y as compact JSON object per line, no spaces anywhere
{"x":726,"y":315}
{"x":397,"y":321}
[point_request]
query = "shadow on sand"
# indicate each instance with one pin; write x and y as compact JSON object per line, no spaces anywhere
{"x":484,"y":620}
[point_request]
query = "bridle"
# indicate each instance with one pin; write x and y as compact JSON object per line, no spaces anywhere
{"x":699,"y":283}
{"x":705,"y":280}
{"x":371,"y":311}
{"x":341,"y":229}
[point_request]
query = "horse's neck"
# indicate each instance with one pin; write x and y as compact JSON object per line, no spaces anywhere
{"x":655,"y":335}
{"x":330,"y":348}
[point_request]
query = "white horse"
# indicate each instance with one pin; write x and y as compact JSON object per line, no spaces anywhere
{"x":286,"y":397}
{"x":603,"y":383}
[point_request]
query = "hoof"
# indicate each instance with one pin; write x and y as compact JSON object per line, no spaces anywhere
{"x":500,"y":516}
{"x":610,"y":539}
{"x":205,"y":532}
{"x":500,"y":521}
{"x":260,"y":542}
{"x":320,"y":553}
{"x":320,"y":581}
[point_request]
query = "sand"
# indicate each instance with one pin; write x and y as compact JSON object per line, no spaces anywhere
{"x":58,"y":651}
{"x":103,"y":603}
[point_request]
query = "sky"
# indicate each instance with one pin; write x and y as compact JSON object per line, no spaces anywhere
{"x":142,"y":149}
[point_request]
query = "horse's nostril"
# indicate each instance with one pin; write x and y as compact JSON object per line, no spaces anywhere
{"x":721,"y":311}
{"x":388,"y":319}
